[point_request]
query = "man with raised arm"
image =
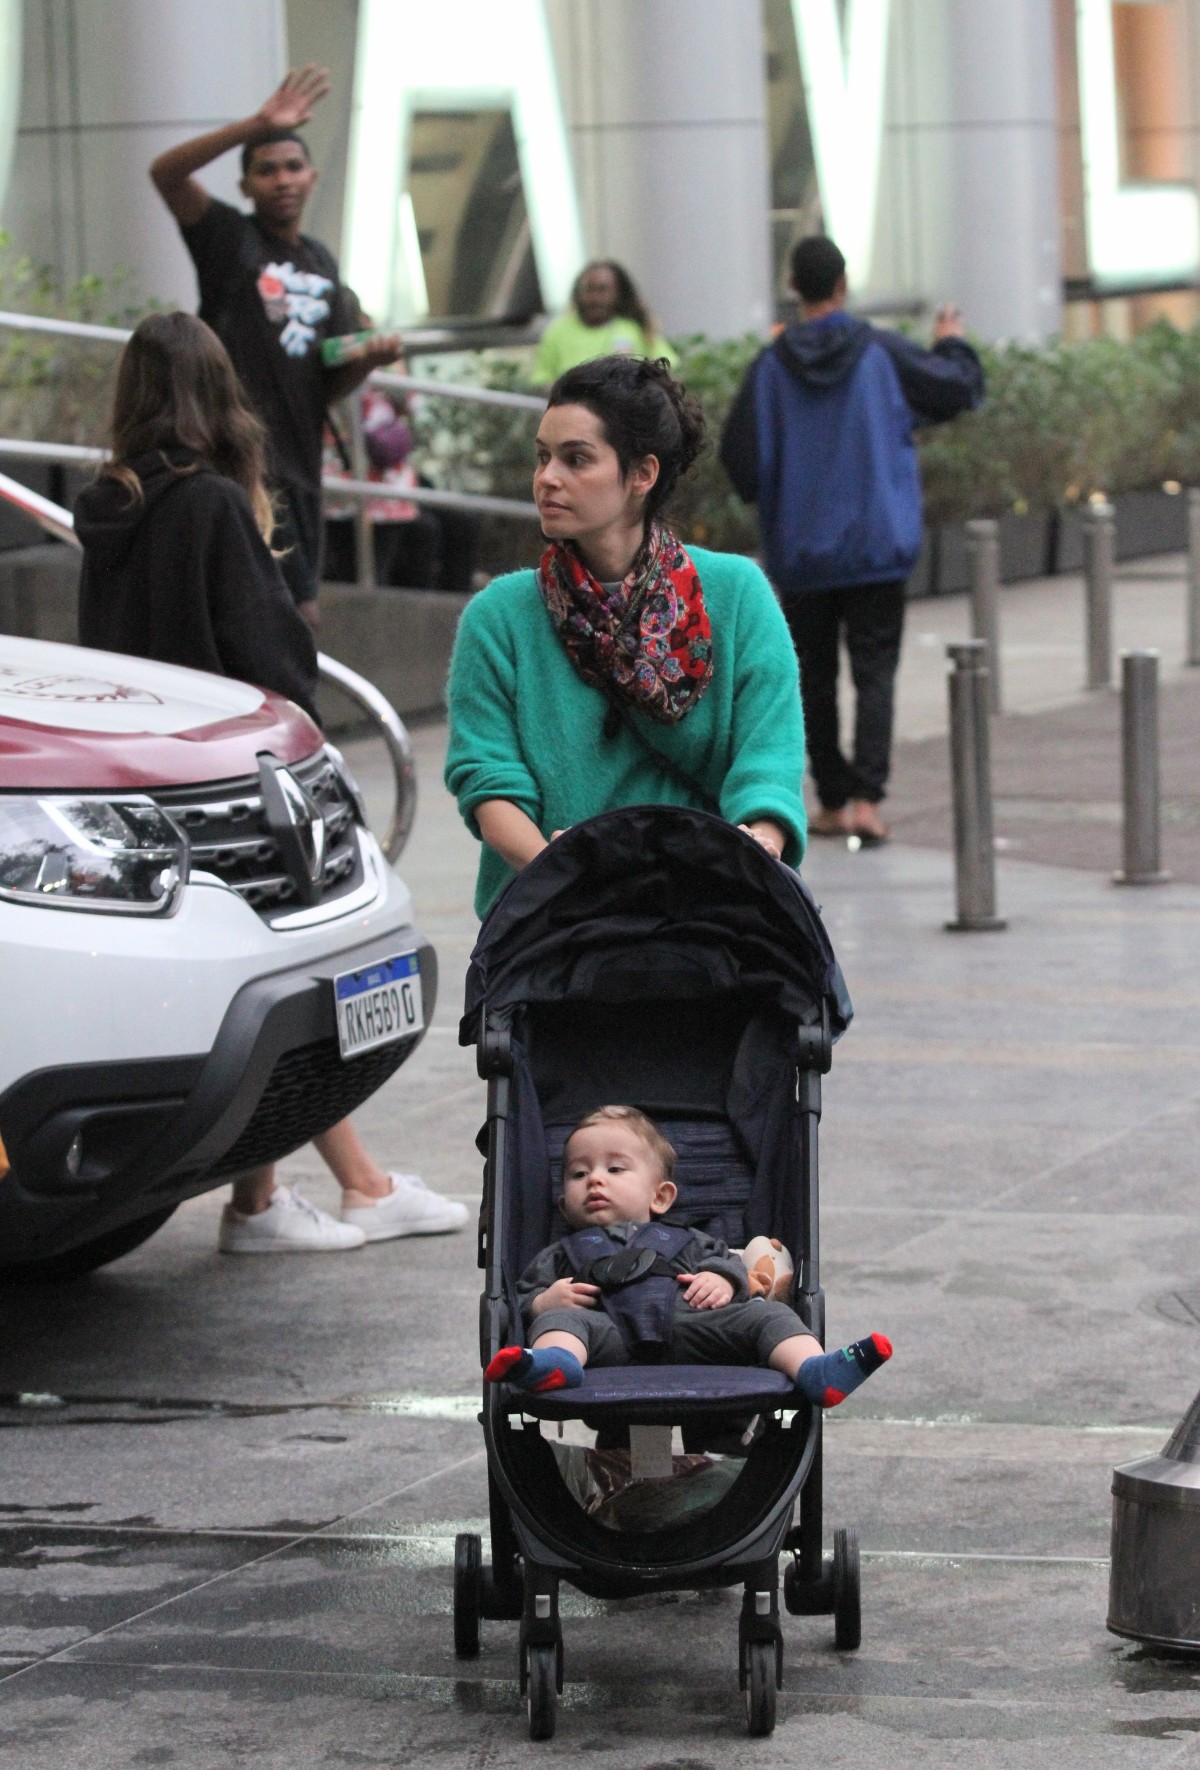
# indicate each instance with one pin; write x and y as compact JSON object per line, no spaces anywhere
{"x":273,"y":295}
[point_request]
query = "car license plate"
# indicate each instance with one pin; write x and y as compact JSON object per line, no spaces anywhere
{"x":379,"y":1005}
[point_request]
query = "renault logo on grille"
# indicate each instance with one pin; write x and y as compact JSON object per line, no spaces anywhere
{"x":296,"y":823}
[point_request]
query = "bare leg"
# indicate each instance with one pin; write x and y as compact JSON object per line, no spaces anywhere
{"x":361,"y":1179}
{"x":789,"y":1355}
{"x":252,"y":1193}
{"x":568,"y":1343}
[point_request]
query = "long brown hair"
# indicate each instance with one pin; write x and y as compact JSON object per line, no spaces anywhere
{"x":177,"y":389}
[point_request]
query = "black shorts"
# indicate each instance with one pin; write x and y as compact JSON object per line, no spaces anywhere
{"x":739,"y":1333}
{"x":298,"y":537}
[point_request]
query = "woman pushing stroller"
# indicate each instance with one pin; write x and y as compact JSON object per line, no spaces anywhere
{"x":629,"y":670}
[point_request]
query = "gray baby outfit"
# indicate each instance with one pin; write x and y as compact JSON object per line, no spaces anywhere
{"x":744,"y":1331}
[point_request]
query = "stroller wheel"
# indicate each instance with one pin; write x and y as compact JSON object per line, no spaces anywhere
{"x":541,"y":1691}
{"x":468,"y":1593}
{"x":760,"y":1688}
{"x":847,"y":1591}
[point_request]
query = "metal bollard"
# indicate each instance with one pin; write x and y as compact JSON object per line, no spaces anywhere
{"x":1154,"y":1582}
{"x":971,"y":773}
{"x":1193,"y":576}
{"x":983,"y":560}
{"x":364,"y":528}
{"x":1139,"y":770}
{"x":1099,"y":536}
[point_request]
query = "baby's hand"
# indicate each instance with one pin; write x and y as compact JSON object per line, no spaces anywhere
{"x":706,"y":1290}
{"x":565,"y":1293}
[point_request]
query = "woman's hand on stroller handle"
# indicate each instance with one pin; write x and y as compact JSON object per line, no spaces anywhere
{"x":566,"y":1293}
{"x":767,"y":833}
{"x":706,"y":1290}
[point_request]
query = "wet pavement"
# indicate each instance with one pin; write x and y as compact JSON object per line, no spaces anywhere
{"x":229,"y":1488}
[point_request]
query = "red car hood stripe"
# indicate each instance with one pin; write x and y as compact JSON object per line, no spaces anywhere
{"x":46,"y":758}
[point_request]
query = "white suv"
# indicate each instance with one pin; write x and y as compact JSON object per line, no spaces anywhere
{"x":204,"y":958}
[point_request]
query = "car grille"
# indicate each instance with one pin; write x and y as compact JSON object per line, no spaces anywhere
{"x":229,"y":835}
{"x":310,"y":1089}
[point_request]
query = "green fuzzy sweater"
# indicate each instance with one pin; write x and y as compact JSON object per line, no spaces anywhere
{"x":524,"y":726}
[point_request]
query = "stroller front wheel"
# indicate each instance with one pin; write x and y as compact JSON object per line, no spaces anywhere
{"x":847,"y":1591}
{"x":760,"y":1688}
{"x":468,"y":1594}
{"x":541,"y":1691}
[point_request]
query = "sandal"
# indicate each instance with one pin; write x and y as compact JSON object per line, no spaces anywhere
{"x":830,"y":823}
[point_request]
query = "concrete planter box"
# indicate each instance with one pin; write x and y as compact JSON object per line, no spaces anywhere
{"x":1150,"y":522}
{"x":1025,"y":552}
{"x":398,"y":639}
{"x":921,"y":578}
{"x":1067,"y":551}
{"x":1025,"y":546}
{"x":952,"y":574}
{"x":1147,"y":523}
{"x":39,"y":591}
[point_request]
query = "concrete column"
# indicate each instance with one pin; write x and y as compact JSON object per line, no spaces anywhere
{"x":665,"y":103}
{"x":968,"y":199}
{"x":106,"y":85}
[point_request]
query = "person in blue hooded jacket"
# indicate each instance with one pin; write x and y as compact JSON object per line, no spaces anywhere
{"x":820,"y":436}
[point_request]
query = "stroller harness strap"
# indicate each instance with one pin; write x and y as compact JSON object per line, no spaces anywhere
{"x":637,"y":1281}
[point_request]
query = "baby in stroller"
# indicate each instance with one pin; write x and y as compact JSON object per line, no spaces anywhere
{"x":623,"y":1287}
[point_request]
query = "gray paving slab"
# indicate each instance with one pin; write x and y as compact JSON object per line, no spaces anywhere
{"x":231,"y":1541}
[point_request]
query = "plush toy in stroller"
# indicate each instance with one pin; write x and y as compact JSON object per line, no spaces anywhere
{"x":655,"y":956}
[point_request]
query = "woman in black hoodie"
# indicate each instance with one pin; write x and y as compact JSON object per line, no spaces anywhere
{"x":175,"y":563}
{"x":176,"y":567}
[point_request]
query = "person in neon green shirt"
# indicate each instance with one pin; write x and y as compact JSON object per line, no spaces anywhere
{"x":607,"y":317}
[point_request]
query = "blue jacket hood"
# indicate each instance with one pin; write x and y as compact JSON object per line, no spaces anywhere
{"x":820,"y":353}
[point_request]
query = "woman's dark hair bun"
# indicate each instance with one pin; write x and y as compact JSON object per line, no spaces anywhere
{"x":644,"y":411}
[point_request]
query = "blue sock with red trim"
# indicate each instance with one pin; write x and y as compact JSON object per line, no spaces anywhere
{"x":543,"y":1368}
{"x":829,"y":1378}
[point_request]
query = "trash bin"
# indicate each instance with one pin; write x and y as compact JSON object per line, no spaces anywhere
{"x":1154,"y":1584}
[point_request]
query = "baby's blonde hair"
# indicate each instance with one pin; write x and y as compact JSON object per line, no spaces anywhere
{"x":640,"y":1125}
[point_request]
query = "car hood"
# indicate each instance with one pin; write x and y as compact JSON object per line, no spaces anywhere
{"x":73,"y":719}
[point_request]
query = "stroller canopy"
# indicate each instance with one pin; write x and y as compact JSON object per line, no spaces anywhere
{"x":655,"y":901}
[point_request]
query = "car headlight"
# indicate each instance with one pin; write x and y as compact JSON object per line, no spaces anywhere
{"x":121,"y":854}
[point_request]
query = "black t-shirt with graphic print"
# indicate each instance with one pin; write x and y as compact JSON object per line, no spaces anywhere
{"x":272,"y":302}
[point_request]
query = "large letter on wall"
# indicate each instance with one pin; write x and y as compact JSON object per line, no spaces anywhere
{"x":1137,"y":233}
{"x":844,"y":95}
{"x":443,"y":56}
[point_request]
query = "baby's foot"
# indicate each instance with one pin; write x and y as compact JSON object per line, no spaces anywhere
{"x":830,"y":1377}
{"x":546,"y":1367}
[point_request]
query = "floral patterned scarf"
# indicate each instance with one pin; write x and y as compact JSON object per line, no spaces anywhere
{"x":647,"y":642}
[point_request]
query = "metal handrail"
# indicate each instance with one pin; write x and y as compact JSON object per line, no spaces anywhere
{"x":39,"y":322}
{"x":423,"y":340}
{"x":364,"y":694}
{"x":486,"y":396}
{"x":77,"y":455}
{"x":60,"y":523}
{"x":481,"y":501}
{"x":20,"y":448}
{"x":50,"y":516}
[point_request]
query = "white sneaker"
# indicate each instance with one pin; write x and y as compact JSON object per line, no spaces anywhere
{"x":409,"y":1209}
{"x":289,"y":1225}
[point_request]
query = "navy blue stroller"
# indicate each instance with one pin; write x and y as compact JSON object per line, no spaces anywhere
{"x":659,"y":958}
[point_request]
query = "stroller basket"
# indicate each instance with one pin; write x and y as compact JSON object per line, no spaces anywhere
{"x":659,"y":958}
